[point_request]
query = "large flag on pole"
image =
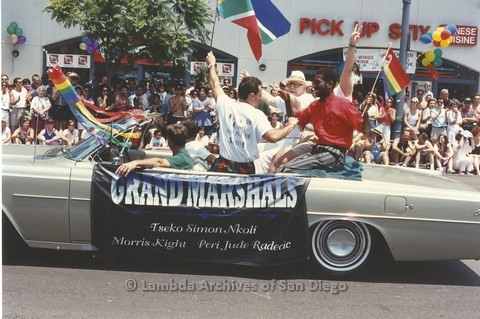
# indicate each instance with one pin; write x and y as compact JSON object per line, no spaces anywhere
{"x":263,"y":21}
{"x":271,"y":22}
{"x":394,"y":75}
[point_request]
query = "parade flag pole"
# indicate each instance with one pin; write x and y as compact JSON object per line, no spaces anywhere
{"x":381,"y":67}
{"x":213,"y":28}
{"x":379,"y":71}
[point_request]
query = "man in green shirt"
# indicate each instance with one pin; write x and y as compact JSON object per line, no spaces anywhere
{"x":177,"y":136}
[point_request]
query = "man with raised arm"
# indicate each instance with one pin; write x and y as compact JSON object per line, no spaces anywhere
{"x":344,"y":89}
{"x":242,"y":124}
{"x":334,"y":119}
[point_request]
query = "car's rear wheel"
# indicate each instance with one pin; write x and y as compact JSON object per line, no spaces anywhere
{"x":340,"y":245}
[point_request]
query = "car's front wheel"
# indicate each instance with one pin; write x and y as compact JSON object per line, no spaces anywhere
{"x":340,"y":245}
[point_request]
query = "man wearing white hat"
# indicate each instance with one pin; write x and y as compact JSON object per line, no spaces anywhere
{"x":295,"y":85}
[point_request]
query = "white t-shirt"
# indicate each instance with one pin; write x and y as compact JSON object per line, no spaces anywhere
{"x":71,"y":136}
{"x":199,"y":155}
{"x":338,"y":92}
{"x":40,"y":104}
{"x":23,"y":98}
{"x":158,"y":142}
{"x":241,"y":129}
{"x":305,"y":100}
{"x":197,"y":150}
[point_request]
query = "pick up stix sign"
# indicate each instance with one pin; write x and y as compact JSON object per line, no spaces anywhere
{"x":258,"y":219}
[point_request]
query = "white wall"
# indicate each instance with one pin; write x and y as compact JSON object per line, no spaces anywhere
{"x":40,"y":30}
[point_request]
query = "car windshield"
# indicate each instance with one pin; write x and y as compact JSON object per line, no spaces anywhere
{"x":83,"y":149}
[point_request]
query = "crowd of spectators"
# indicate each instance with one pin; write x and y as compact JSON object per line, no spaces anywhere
{"x":440,"y":133}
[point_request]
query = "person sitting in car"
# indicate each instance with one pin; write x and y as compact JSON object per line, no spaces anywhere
{"x":202,"y":158}
{"x":177,"y":136}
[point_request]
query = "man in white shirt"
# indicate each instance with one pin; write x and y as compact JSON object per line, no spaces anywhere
{"x":202,"y":158}
{"x":242,"y":124}
{"x":139,"y":100}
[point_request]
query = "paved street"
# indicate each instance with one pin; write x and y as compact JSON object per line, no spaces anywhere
{"x":50,"y":284}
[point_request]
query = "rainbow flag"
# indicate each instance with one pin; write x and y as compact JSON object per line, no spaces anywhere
{"x":394,"y":76}
{"x":263,"y":21}
{"x":101,"y":131}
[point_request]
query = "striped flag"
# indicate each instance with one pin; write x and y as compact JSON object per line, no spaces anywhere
{"x":241,"y":12}
{"x":261,"y":18}
{"x":394,"y":75}
{"x":271,"y":22}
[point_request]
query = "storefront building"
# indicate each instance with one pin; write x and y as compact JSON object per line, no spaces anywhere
{"x":319,"y":33}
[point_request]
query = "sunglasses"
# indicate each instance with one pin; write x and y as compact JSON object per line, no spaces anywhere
{"x":295,"y":85}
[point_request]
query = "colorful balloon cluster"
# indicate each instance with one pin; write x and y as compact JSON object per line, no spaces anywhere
{"x":440,"y":37}
{"x":89,"y":44}
{"x":16,"y":33}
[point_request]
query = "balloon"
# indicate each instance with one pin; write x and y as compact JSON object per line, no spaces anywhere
{"x":445,"y":34}
{"x":452,"y":28}
{"x":19,"y":31}
{"x":436,"y":43}
{"x":89,"y":50}
{"x":426,"y":39}
{"x":88,"y":42}
{"x":438,"y":53}
{"x":425,"y":62}
{"x":430,"y":33}
{"x":14,"y":38}
{"x":438,"y":62}
{"x":10,"y":30}
{"x":430,"y":67}
{"x":444,"y":43}
{"x":82,"y":46}
{"x":430,"y":56}
{"x":14,"y":25}
{"x":21,"y":39}
{"x":450,"y":40}
{"x":434,"y":75}
{"x":84,"y":38}
{"x":437,"y":36}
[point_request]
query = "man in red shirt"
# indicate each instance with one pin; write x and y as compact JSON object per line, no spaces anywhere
{"x":334,"y":120}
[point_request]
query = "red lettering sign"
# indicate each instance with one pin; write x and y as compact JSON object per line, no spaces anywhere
{"x":465,"y":36}
{"x":322,"y":27}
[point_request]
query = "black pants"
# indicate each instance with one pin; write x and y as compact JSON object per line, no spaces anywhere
{"x":329,"y":158}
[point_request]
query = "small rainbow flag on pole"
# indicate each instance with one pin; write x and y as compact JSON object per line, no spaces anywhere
{"x":393,"y":74}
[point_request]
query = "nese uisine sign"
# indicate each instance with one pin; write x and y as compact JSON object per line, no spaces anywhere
{"x":258,"y":219}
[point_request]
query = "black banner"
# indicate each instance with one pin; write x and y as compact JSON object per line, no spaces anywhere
{"x":251,"y":219}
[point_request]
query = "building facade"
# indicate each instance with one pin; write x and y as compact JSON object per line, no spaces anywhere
{"x":319,"y":33}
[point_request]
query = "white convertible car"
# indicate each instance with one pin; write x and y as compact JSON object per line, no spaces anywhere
{"x":70,"y":198}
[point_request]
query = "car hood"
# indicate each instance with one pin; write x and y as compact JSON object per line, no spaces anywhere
{"x":14,"y":153}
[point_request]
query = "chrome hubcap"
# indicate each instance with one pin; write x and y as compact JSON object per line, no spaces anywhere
{"x":341,"y":242}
